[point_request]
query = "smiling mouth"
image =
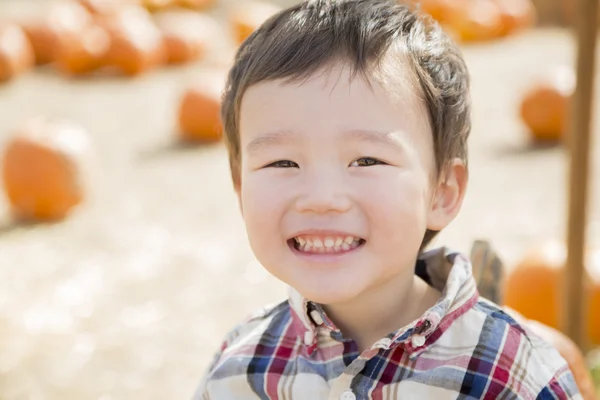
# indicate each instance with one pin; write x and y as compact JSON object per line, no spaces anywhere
{"x":325,"y":245}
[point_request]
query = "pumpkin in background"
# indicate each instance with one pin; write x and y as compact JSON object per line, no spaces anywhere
{"x":516,"y":15}
{"x":545,"y":105}
{"x":200,"y":109}
{"x":186,"y":35}
{"x":42,"y":169}
{"x":16,"y":53}
{"x":438,"y":9}
{"x":477,"y":20}
{"x":534,"y":285}
{"x":84,"y":53}
{"x":567,"y":349}
{"x":158,"y":5}
{"x":135,"y":41}
{"x":247,"y":16}
{"x":195,"y":4}
{"x":61,"y":20}
{"x":106,"y":7}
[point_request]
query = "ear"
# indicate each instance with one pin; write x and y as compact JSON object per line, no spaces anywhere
{"x":448,"y":196}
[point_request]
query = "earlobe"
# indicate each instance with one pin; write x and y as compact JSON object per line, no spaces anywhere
{"x":448,"y":196}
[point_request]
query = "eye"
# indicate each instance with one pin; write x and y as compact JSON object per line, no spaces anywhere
{"x":283,"y":164}
{"x":366,"y":162}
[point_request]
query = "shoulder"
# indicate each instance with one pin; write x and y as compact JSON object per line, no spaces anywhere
{"x":246,"y":349}
{"x":268,"y":320}
{"x":514,"y":358}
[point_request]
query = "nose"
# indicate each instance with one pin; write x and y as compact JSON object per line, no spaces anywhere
{"x":323,"y":193}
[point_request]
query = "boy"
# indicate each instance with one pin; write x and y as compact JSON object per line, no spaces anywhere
{"x":346,"y":123}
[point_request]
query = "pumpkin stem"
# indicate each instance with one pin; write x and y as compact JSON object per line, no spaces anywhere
{"x":488,"y":271}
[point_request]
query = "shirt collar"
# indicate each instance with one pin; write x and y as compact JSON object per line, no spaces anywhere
{"x":446,"y":270}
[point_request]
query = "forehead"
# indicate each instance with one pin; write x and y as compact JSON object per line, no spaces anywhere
{"x":333,"y":99}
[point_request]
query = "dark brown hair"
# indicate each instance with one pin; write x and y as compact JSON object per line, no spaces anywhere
{"x":300,"y":40}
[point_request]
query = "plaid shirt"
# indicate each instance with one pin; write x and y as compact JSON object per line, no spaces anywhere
{"x":463,"y":347}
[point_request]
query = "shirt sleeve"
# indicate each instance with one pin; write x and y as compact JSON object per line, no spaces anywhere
{"x":562,"y":386}
{"x":201,"y":392}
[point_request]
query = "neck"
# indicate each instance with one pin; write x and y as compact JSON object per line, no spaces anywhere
{"x":384,"y":309}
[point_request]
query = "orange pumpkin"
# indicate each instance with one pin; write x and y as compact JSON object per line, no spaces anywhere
{"x":438,"y":9}
{"x":158,"y":5}
{"x":534,"y":285}
{"x":16,"y":53}
{"x":545,"y":105}
{"x":196,"y":4}
{"x":516,"y":15}
{"x":567,"y":349}
{"x":62,"y":20}
{"x":185,"y":35}
{"x":200,"y":109}
{"x":106,"y":7}
{"x":247,"y":16}
{"x":41,"y":169}
{"x":84,"y":53}
{"x":475,"y":20}
{"x":135,"y":41}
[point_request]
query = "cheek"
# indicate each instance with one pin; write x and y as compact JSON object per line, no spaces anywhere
{"x":398,"y":204}
{"x":262,"y":201}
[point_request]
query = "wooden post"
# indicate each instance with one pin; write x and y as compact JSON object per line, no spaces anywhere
{"x":552,"y":12}
{"x":573,"y":317}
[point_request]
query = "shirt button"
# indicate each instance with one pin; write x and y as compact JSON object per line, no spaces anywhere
{"x":308,"y":338}
{"x":348,"y":395}
{"x":418,"y":340}
{"x":316,"y":317}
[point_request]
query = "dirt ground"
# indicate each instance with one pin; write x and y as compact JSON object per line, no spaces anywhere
{"x":129,"y":297}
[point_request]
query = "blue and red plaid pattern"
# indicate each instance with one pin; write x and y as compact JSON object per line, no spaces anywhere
{"x":464,"y":347}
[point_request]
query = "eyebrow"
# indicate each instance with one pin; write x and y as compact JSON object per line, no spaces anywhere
{"x":269,"y":139}
{"x":385,"y":137}
{"x":366,"y":135}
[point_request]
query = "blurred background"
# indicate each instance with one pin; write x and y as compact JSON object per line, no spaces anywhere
{"x":123,"y":257}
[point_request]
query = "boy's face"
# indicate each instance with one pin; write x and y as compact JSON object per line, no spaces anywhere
{"x":336,"y":182}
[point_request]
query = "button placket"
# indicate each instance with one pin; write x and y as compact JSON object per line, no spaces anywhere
{"x":419,"y":337}
{"x":316,"y":317}
{"x":309,"y":338}
{"x":383,"y":343}
{"x":417,"y":340}
{"x":348,"y":395}
{"x":424,"y":327}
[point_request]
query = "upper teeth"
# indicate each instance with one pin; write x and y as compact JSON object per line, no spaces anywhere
{"x":326,"y":244}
